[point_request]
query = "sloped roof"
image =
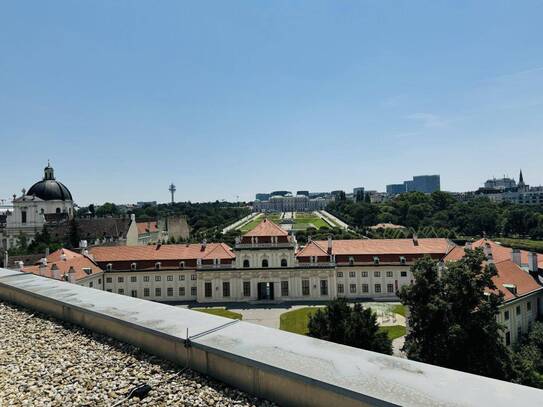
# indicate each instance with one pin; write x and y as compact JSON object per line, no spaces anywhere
{"x":162,"y":252}
{"x":499,"y":252}
{"x":65,"y":259}
{"x":377,"y":247}
{"x":266,"y":228}
{"x":147,"y":227}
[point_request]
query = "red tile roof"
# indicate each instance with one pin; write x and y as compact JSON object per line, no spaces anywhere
{"x":147,"y":227}
{"x":162,"y":252}
{"x":65,"y":259}
{"x":377,"y":247}
{"x":266,"y":228}
{"x":508,"y":271}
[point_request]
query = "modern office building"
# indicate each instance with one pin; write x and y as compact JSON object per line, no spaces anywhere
{"x":395,"y":189}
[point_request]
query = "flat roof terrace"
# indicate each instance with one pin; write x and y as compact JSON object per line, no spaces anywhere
{"x":44,"y":361}
{"x":290,"y":369}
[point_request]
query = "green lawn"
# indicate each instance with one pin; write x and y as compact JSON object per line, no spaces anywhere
{"x":523,"y":244}
{"x":394,"y":331}
{"x":251,"y":225}
{"x":220,"y":312}
{"x":301,"y":222}
{"x":296,"y":321}
{"x":399,"y":309}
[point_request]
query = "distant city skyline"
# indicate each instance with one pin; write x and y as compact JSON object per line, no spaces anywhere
{"x":228,"y":99}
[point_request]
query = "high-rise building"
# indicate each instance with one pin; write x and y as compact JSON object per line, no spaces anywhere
{"x":426,"y":183}
{"x":395,"y":189}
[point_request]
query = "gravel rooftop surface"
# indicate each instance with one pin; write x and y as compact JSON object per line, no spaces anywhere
{"x":46,"y":362}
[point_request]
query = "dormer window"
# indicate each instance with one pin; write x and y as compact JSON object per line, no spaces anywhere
{"x":199,"y":262}
{"x":109,"y":267}
{"x":402,"y":260}
{"x":181,"y":264}
{"x":216,"y":262}
{"x":157,"y":265}
{"x":376,"y":260}
{"x":133,"y":266}
{"x":313,"y":259}
{"x":87,"y":270}
{"x":351,"y":260}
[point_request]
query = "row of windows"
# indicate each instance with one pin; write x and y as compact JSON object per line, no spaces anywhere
{"x":364,"y":288}
{"x":158,"y":292}
{"x":158,"y":265}
{"x":208,"y":288}
{"x":517,"y":310}
{"x":146,"y":279}
{"x":376,"y":260}
{"x":352,"y":274}
{"x":264,"y":263}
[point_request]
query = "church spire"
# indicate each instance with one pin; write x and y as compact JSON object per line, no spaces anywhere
{"x":521,"y":178}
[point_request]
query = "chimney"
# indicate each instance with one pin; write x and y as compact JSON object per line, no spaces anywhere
{"x":468,"y":245}
{"x":487,"y":250}
{"x":21,"y":265}
{"x":71,"y":275}
{"x":415,"y":239}
{"x":515,"y":257}
{"x":489,"y":258}
{"x":533,"y":267}
{"x":42,"y":267}
{"x":55,"y":271}
{"x":46,"y":251}
{"x":204,"y":245}
{"x":329,"y":244}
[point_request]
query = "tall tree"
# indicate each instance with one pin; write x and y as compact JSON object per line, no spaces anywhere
{"x":356,"y":327}
{"x":452,"y":317}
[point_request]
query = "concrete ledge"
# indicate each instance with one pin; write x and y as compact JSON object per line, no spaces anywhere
{"x":292,"y":370}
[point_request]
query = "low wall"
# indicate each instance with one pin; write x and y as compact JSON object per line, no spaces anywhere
{"x":290,"y":369}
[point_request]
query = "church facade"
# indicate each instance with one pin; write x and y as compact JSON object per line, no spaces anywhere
{"x":46,"y":200}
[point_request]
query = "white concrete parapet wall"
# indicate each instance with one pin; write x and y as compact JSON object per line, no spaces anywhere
{"x":290,"y":369}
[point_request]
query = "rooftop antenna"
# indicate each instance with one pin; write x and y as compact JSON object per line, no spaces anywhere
{"x":172,"y":190}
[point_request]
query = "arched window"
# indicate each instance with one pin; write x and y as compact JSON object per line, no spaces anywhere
{"x":265,"y":263}
{"x":284,"y":263}
{"x":133,"y":266}
{"x":181,"y":264}
{"x":246,"y":263}
{"x":58,"y":210}
{"x":157,"y":265}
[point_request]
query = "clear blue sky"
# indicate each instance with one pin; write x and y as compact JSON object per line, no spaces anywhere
{"x":228,"y":98}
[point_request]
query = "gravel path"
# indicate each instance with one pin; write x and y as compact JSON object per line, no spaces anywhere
{"x":44,"y":362}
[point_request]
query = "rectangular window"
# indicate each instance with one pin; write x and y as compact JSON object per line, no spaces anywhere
{"x":352,"y":288}
{"x":158,"y":278}
{"x":99,"y":281}
{"x":108,"y":290}
{"x":305,"y":287}
{"x":324,"y":287}
{"x":169,"y":291}
{"x":508,"y":338}
{"x":365,"y":288}
{"x":340,"y":289}
{"x":133,"y":279}
{"x":364,"y":274}
{"x":134,"y":293}
{"x":90,"y":284}
{"x":182,"y":277}
{"x":146,"y":292}
{"x":208,"y":289}
{"x":376,"y":274}
{"x":519,"y":332}
{"x":403,"y":273}
{"x":23,"y":216}
{"x":246,"y":288}
{"x":339,"y":274}
{"x":390,"y":288}
{"x":377,"y":288}
{"x":158,"y":292}
{"x":193,"y":277}
{"x":284,"y":288}
{"x":193,"y":291}
{"x":120,"y":279}
{"x":390,"y":274}
{"x":352,"y":274}
{"x":169,"y":278}
{"x":528,"y":306}
{"x":120,"y":291}
{"x":506,"y":315}
{"x":226,"y":289}
{"x":181,"y":291}
{"x":145,"y":279}
{"x":518,"y":310}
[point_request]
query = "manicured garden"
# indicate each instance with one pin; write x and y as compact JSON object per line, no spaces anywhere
{"x":220,"y":312}
{"x":301,"y":221}
{"x":296,"y":321}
